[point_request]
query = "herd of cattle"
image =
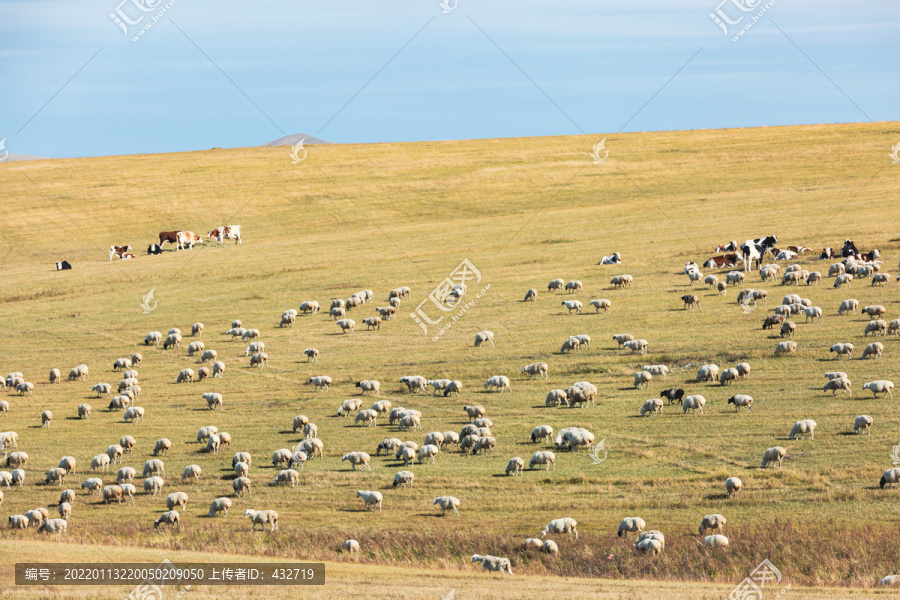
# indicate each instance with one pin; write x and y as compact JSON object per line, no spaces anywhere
{"x":183,"y":240}
{"x":752,"y":252}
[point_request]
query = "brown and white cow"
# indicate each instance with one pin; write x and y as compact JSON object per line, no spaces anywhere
{"x":227,"y":232}
{"x":729,"y":247}
{"x":725,"y":261}
{"x":799,"y":249}
{"x":118,"y":251}
{"x":170,"y":237}
{"x":187,"y":239}
{"x":826,"y":253}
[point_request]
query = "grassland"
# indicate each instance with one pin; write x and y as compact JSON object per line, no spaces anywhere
{"x":524,"y":211}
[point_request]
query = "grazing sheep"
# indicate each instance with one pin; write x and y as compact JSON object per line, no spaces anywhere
{"x":621,"y":281}
{"x":403,"y":478}
{"x":642,"y":379}
{"x":371,"y":499}
{"x":813,"y":312}
{"x":542,"y":433}
{"x":135,"y":414}
{"x":657,"y":370}
{"x":235,"y":332}
{"x":497,"y":381}
{"x":367,"y":417}
{"x":788,"y":328}
{"x":887,"y":581}
{"x":630,"y":524}
{"x":219,"y":505}
{"x":185,"y":375}
{"x":46,"y":417}
{"x":357,"y":458}
{"x":154,"y":465}
{"x":571,"y":305}
{"x":881,"y":278}
{"x":25,"y":386}
{"x":321,"y":381}
{"x":863,"y":424}
{"x":67,"y":463}
{"x":435,"y":438}
{"x":789,"y":347}
{"x":18,"y":477}
{"x":530,"y":295}
{"x":555,"y":398}
{"x":195,"y":347}
{"x":652,"y":407}
{"x":694,"y":276}
{"x":843,"y":279}
{"x":882,"y":385}
{"x":213,"y":400}
{"x":493,"y":563}
{"x":841,"y":349}
{"x":712,"y":523}
{"x":152,"y":485}
{"x":483,"y":337}
{"x":574,"y":286}
{"x":601,"y":303}
{"x":740,"y":400}
{"x":176,"y":499}
{"x":205,"y":432}
{"x":428,"y":451}
{"x":313,"y":447}
{"x":874,"y":349}
{"x":447,"y":503}
{"x":173,"y":339}
{"x":693,"y":404}
{"x":126,"y":474}
{"x":171,"y":518}
{"x":241,"y":486}
{"x":191,"y":472}
{"x":801,"y":427}
{"x":56,"y":475}
{"x":346,"y":325}
{"x":838,"y":383}
{"x":92,"y":485}
{"x":482,"y":444}
{"x":286,"y":476}
{"x":712,"y":281}
{"x":351,"y":546}
{"x":708,"y":373}
{"x":101,"y":461}
{"x":876,"y":327}
{"x":635,"y":345}
{"x":544,"y":457}
{"x":556,"y":284}
{"x":733,"y":486}
{"x":728,"y":377}
{"x":690,"y":301}
{"x":890,"y":477}
{"x":773,"y":455}
{"x":281,"y":456}
{"x":570,"y":345}
{"x":715,"y":541}
{"x":348,"y":406}
{"x":515,"y":466}
{"x":260,"y":359}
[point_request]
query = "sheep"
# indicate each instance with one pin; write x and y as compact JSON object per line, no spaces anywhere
{"x":874,"y":349}
{"x":555,"y":398}
{"x":843,"y":279}
{"x":530,"y":295}
{"x":814,"y":278}
{"x":414,"y":383}
{"x":135,"y":414}
{"x":556,"y":284}
{"x":4,"y":407}
{"x":400,"y":292}
{"x":253,"y":348}
{"x":570,"y":345}
{"x":648,"y":546}
{"x":454,"y":386}
{"x":367,"y":417}
{"x":484,"y":337}
{"x":542,"y":433}
{"x":125,"y":384}
{"x":715,"y":541}
{"x":841,"y":349}
{"x":6,"y":479}
{"x":126,"y":474}
{"x":621,"y":281}
{"x":881,"y":385}
{"x":728,"y":376}
{"x":601,"y":303}
{"x":446,"y":503}
{"x":403,"y":478}
{"x":580,"y":395}
{"x":635,"y":345}
{"x":789,"y":347}
{"x":370,"y":499}
{"x":65,"y":510}
{"x":712,"y":522}
{"x":313,"y":447}
{"x":250,"y":334}
{"x":101,"y":461}
{"x":708,"y":373}
{"x":484,"y":443}
{"x":64,"y":496}
{"x":154,"y":465}
{"x":280,"y":456}
{"x":176,"y":499}
{"x":285,"y":476}
{"x":185,"y":375}
{"x":357,"y":458}
{"x":387,"y":312}
{"x":657,"y":370}
{"x":9,"y":439}
{"x":321,"y":381}
{"x":574,"y":286}
{"x":515,"y":466}
{"x":54,"y":526}
{"x":693,"y":404}
{"x":890,"y":580}
{"x":191,"y":472}
{"x":493,"y":563}
{"x":690,"y":300}
{"x":773,"y":455}
{"x":46,"y":417}
{"x":195,"y":347}
{"x":152,"y":485}
{"x":712,"y":281}
{"x":171,"y":518}
{"x":630,"y":524}
{"x":863,"y":424}
{"x":881,"y":278}
{"x":56,"y":475}
{"x":18,"y":477}
{"x":788,"y":328}
{"x":348,"y":406}
{"x":801,"y":427}
{"x":839,"y":383}
{"x":219,"y":505}
{"x":673,"y":395}
{"x":209,"y":355}
{"x":571,"y":305}
{"x":406,"y":454}
{"x":642,"y":379}
{"x":813,"y":312}
{"x":235,"y":332}
{"x":694,"y":276}
{"x":652,"y":407}
{"x":18,"y":522}
{"x":260,"y":359}
{"x":154,"y":337}
{"x":369,"y":385}
{"x":346,"y":325}
{"x":173,"y":339}
{"x":204,"y":433}
{"x":497,"y":381}
{"x":241,"y":486}
{"x":450,"y":437}
{"x":92,"y":485}
{"x":733,"y":486}
{"x":25,"y":386}
{"x":435,"y":438}
{"x":544,"y":457}
{"x":734,"y":278}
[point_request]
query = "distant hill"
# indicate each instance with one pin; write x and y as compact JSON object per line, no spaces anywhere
{"x":290,"y":140}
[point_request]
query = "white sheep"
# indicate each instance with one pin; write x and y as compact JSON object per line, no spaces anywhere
{"x":539,"y":369}
{"x":712,"y":523}
{"x":371,"y":499}
{"x":447,"y":503}
{"x":260,"y":359}
{"x":100,"y":462}
{"x":881,"y":385}
{"x":566,"y":525}
{"x":544,"y":457}
{"x":715,"y":541}
{"x":497,"y":381}
{"x":154,"y":465}
{"x":570,"y":345}
{"x":621,"y":338}
{"x":652,"y":407}
{"x":693,"y":403}
{"x":357,"y":459}
{"x":134,"y":414}
{"x":219,"y":505}
{"x":733,"y":486}
{"x":773,"y":455}
{"x":191,"y":472}
{"x":403,"y":478}
{"x":632,"y":525}
{"x":642,"y":379}
{"x":601,"y":303}
{"x":635,"y":345}
{"x":571,"y":305}
{"x":874,"y":349}
{"x":657,"y":370}
{"x":863,"y":424}
{"x":542,"y":433}
{"x":152,"y":485}
{"x":708,"y":373}
{"x":530,"y":295}
{"x":483,"y":337}
{"x":287,"y":476}
{"x":515,"y":466}
{"x":801,"y":427}
{"x":321,"y":381}
{"x":841,"y":349}
{"x":788,"y":347}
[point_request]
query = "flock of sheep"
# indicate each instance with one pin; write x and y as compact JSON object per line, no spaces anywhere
{"x":474,"y":438}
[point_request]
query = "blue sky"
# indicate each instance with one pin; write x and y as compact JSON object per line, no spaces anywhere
{"x":231,"y":74}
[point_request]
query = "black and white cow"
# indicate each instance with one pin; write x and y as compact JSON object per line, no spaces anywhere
{"x":154,"y":249}
{"x":63,"y":266}
{"x":849,"y":249}
{"x":753,"y":251}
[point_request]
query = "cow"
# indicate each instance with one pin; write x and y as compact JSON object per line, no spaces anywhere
{"x":63,"y":266}
{"x":228,"y":232}
{"x":799,"y":249}
{"x":848,"y":249}
{"x":826,"y":253}
{"x":784,"y":254}
{"x":725,"y":261}
{"x":188,"y":239}
{"x":615,"y":259}
{"x":118,"y":251}
{"x":754,"y":250}
{"x":154,"y":249}
{"x":170,"y":237}
{"x":127,"y":256}
{"x":729,"y":247}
